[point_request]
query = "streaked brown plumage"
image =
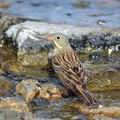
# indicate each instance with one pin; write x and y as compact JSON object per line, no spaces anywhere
{"x":67,"y":65}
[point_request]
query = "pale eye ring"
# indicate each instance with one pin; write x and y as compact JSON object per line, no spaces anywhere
{"x":58,"y":37}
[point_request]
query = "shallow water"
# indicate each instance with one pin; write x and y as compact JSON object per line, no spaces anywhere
{"x":77,"y":12}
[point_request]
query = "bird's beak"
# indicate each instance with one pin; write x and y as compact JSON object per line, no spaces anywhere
{"x":50,"y":38}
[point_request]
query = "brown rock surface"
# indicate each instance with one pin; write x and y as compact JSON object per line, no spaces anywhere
{"x":14,"y":103}
{"x":30,"y":89}
{"x":5,"y":85}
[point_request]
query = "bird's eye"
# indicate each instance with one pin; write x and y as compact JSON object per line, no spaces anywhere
{"x":58,"y":37}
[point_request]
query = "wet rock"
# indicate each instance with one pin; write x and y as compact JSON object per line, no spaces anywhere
{"x":12,"y":66}
{"x":54,"y":91}
{"x":111,"y":111}
{"x":77,"y":34}
{"x":30,"y":44}
{"x":6,"y":54}
{"x":38,"y":59}
{"x":79,"y":117}
{"x":8,"y":20}
{"x":6,"y":114}
{"x":5,"y":86}
{"x":108,"y":111}
{"x":1,"y":72}
{"x":30,"y":89}
{"x":14,"y":103}
{"x":36,"y":71}
{"x":103,"y":77}
{"x":101,"y":117}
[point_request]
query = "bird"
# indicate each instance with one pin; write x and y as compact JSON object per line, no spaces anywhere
{"x":69,"y":69}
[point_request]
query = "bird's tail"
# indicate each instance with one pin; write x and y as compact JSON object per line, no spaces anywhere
{"x":88,"y":97}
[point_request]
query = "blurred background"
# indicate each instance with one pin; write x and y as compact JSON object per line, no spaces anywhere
{"x":77,"y":12}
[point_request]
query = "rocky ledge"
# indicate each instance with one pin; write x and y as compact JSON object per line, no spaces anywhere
{"x":24,"y":35}
{"x":97,"y":47}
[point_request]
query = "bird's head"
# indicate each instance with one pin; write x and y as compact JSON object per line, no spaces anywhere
{"x":59,"y":41}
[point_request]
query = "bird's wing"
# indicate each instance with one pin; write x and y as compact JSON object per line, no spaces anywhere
{"x":68,"y":65}
{"x":72,"y":74}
